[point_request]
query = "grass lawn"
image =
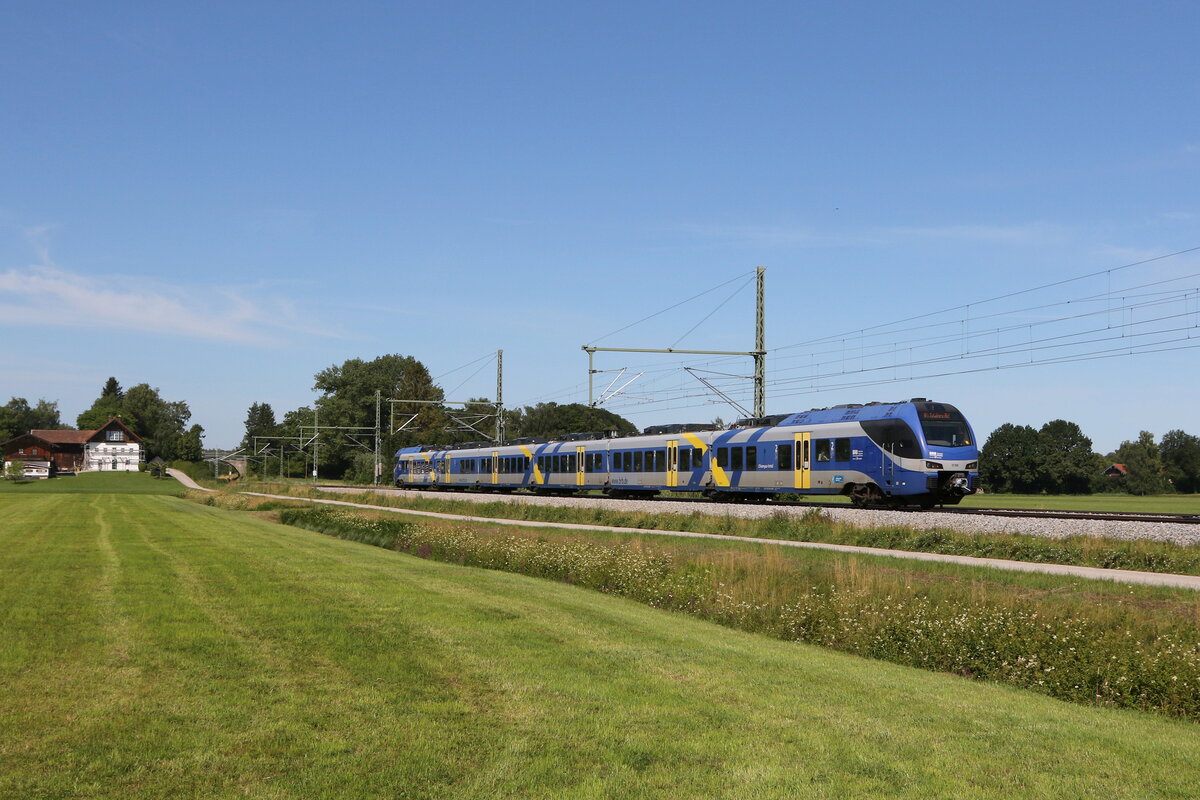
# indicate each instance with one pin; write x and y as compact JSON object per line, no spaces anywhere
{"x":93,"y":482}
{"x":1120,"y":503}
{"x":157,"y":648}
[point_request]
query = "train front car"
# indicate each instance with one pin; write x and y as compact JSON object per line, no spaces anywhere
{"x":928,"y":455}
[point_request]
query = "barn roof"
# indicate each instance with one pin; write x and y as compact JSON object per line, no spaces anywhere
{"x":63,"y":437}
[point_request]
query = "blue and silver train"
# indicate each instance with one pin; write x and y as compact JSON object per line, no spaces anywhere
{"x":919,"y":453}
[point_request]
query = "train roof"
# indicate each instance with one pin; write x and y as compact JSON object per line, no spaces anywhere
{"x":851,"y":412}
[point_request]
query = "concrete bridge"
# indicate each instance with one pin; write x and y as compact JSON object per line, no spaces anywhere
{"x":234,"y":459}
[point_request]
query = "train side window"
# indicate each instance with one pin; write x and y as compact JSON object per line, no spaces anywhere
{"x":572,"y":464}
{"x":824,"y":448}
{"x":685,"y":457}
{"x":736,"y":460}
{"x":660,"y":460}
{"x":751,"y":457}
{"x":783,"y":456}
{"x":637,"y":461}
{"x":697,"y":459}
{"x":627,"y":461}
{"x":722,"y":457}
{"x":616,"y":462}
{"x":842,"y":449}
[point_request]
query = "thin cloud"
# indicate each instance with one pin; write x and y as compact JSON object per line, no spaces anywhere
{"x":754,"y":235}
{"x":1031,"y":234}
{"x":44,"y":295}
{"x":1036,"y":233}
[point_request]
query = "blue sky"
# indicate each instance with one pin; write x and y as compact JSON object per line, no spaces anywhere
{"x":222,"y":199}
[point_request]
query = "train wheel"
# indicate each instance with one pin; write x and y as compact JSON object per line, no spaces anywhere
{"x":865,"y":495}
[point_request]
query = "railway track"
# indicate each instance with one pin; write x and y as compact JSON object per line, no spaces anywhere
{"x":1050,"y":514}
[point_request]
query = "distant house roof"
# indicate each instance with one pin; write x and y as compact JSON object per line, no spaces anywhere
{"x":114,"y":424}
{"x":1116,"y":471}
{"x":63,"y":437}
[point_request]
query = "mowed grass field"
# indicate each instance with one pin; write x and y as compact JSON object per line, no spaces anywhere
{"x":158,"y":648}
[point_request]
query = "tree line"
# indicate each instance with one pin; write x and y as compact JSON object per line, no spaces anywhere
{"x":1058,"y":459}
{"x":421,"y":417}
{"x":161,"y":424}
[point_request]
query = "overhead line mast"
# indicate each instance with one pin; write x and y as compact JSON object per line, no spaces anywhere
{"x":759,"y":353}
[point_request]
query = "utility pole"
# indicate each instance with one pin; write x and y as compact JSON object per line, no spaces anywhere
{"x":759,"y":353}
{"x":499,"y":397}
{"x":378,"y":464}
{"x":760,"y":348}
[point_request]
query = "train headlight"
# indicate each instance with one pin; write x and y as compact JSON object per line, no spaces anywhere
{"x":933,"y":465}
{"x":973,"y":465}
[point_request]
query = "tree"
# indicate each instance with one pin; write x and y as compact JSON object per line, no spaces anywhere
{"x":260,"y":421}
{"x":112,"y":389}
{"x":105,"y":407}
{"x":550,"y":420}
{"x":1143,"y":464}
{"x":190,"y":446}
{"x":160,"y":423}
{"x":14,"y":471}
{"x":1067,"y":461}
{"x":1010,"y":460}
{"x":18,"y":417}
{"x":1181,"y":455}
{"x":348,"y":400}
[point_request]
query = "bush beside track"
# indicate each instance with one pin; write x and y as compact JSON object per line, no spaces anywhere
{"x":1082,"y":652}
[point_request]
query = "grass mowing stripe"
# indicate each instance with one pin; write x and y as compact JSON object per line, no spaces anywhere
{"x":383,"y":672}
{"x":575,"y":694}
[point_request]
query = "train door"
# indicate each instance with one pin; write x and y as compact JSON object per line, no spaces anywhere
{"x":672,"y":463}
{"x":803,"y":464}
{"x":495,"y":467}
{"x":580,"y":465}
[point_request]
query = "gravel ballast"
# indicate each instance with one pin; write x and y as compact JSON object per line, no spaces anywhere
{"x":862,"y":518}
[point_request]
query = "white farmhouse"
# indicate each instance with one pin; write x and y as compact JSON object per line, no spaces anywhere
{"x":110,"y":448}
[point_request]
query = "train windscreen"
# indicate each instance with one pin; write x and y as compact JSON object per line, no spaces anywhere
{"x":943,"y":425}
